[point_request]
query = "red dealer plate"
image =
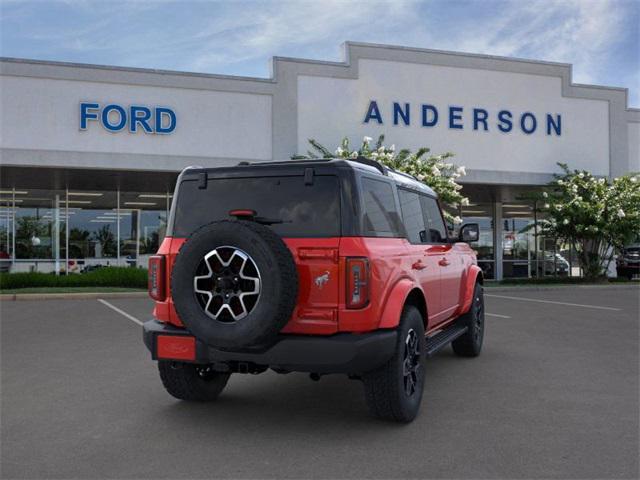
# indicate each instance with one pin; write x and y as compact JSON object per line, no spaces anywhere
{"x":176,"y":348}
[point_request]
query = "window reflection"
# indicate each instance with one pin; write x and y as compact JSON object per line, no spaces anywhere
{"x":75,"y":231}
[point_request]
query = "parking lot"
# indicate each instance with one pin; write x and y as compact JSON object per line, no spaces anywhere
{"x":553,"y":395}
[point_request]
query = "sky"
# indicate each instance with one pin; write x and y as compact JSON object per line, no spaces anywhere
{"x":601,"y":38}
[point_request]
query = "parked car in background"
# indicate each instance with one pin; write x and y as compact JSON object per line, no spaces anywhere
{"x":628,"y":262}
{"x":5,"y":261}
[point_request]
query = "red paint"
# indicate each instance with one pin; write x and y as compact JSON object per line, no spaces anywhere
{"x":169,"y":347}
{"x":443,"y":274}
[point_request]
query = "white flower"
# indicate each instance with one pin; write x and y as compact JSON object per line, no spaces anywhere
{"x":581,"y":175}
{"x":392,"y":148}
{"x":464,"y":202}
{"x":565,"y":221}
{"x":457,"y":220}
{"x":452,"y":181}
{"x":621,"y":213}
{"x":633,"y":179}
{"x":435,"y":171}
{"x":339,"y":151}
{"x":560,"y":182}
{"x":367,"y":139}
{"x":374,"y":155}
{"x":461,"y":170}
{"x":546,"y":205}
{"x":354,"y":155}
{"x":545,"y":194}
{"x":558,"y":207}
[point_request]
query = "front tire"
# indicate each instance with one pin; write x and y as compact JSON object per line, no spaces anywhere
{"x":187,"y":381}
{"x":394,"y":391}
{"x":470,"y":344}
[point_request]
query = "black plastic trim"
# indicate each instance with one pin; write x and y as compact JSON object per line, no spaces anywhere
{"x":348,"y":353}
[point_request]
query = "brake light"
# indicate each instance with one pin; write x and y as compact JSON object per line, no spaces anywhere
{"x":357,"y":282}
{"x":156,"y":277}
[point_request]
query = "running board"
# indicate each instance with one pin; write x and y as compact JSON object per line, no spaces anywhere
{"x":444,"y":338}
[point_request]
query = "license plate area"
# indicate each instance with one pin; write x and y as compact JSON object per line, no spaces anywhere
{"x":174,"y":347}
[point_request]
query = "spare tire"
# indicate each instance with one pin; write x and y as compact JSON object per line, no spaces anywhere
{"x":234,"y":284}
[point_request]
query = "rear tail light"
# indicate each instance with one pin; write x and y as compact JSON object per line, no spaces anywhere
{"x":357,"y":282}
{"x":156,"y":277}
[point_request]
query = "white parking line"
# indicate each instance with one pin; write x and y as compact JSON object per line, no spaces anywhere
{"x":554,"y":302}
{"x":496,"y":315}
{"x":121,"y":312}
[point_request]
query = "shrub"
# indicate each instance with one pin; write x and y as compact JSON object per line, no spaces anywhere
{"x":595,"y":215}
{"x":102,"y":277}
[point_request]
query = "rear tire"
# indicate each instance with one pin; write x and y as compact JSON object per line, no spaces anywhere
{"x":394,"y":391}
{"x":186,"y":381}
{"x":470,"y":344}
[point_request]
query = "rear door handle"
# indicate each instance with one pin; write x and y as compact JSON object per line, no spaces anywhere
{"x":444,"y":262}
{"x":418,"y":265}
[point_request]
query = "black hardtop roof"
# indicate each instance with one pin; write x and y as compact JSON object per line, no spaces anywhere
{"x":362,"y":164}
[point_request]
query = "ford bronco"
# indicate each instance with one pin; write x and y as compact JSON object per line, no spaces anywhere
{"x":318,"y":266}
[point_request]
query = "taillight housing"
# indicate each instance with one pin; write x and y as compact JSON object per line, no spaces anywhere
{"x":157,"y":277}
{"x":357,"y":276}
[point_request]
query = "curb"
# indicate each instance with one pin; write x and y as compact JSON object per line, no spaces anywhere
{"x":70,"y":296}
{"x":538,"y":288}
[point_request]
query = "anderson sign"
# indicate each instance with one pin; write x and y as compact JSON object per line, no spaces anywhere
{"x":460,"y":118}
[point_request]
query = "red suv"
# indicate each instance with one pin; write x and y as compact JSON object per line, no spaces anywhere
{"x":319,"y":266}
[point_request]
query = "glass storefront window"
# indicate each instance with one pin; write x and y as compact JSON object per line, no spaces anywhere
{"x":92,"y":229}
{"x":518,"y":240}
{"x":102,"y":229}
{"x":143,"y":225}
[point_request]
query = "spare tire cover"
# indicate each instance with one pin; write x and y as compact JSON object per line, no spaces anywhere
{"x":234,"y":284}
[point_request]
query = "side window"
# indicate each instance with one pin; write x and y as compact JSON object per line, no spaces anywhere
{"x":380,"y":214}
{"x":412,"y":216}
{"x":436,"y":230}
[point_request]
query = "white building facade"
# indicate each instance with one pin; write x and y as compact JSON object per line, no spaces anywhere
{"x":90,"y":154}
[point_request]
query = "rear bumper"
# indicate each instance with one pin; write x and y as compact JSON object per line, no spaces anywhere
{"x":340,"y":353}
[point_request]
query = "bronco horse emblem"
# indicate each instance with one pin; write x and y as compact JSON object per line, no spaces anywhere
{"x":322,"y":279}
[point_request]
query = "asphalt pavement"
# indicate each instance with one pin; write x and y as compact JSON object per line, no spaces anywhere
{"x":553,"y":395}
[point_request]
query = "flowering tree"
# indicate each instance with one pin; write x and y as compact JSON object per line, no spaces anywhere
{"x":433,"y":170}
{"x":594,"y":215}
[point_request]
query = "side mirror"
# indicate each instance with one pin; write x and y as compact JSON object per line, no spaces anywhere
{"x":469,"y":232}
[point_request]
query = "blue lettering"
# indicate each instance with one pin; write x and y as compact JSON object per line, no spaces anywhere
{"x":105,"y":118}
{"x":455,"y":113}
{"x":373,"y":112}
{"x":557,"y":125}
{"x":139,"y":115}
{"x":162,"y":112}
{"x":399,"y":112}
{"x":523,"y":123}
{"x":480,"y":115}
{"x":425,"y":116}
{"x":504,"y":118}
{"x":85,"y":114}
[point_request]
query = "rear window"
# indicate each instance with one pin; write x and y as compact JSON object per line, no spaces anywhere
{"x":305,"y":210}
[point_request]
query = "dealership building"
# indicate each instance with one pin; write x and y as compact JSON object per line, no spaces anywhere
{"x":89,"y":154}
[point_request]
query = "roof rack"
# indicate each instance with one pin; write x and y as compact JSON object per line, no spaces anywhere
{"x":371,"y":163}
{"x":286,"y":162}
